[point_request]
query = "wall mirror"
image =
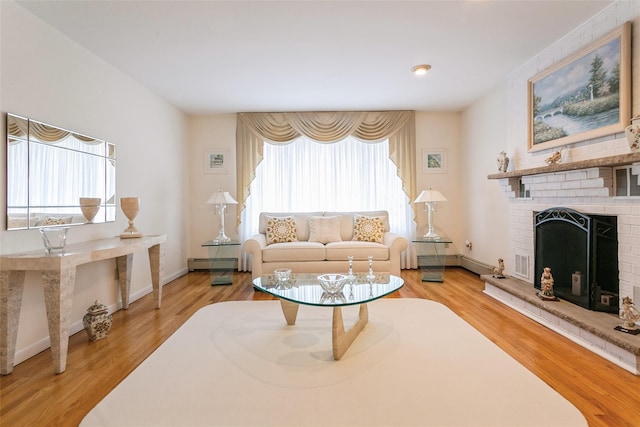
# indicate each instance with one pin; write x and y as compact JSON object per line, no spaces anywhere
{"x":57,"y":177}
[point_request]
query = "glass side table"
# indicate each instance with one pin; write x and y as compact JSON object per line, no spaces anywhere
{"x":222,"y":261}
{"x":431,"y":258}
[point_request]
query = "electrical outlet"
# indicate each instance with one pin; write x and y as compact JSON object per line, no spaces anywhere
{"x":636,"y":296}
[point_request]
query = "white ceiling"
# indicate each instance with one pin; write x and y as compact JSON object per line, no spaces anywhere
{"x":230,"y":56}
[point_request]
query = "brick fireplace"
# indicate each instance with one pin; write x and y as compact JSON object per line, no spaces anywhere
{"x":586,"y":187}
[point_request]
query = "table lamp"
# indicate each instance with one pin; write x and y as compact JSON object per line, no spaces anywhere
{"x":221,"y":199}
{"x":430,"y":198}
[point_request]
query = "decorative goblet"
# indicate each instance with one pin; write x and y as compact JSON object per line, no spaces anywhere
{"x":90,"y":207}
{"x":130,"y":206}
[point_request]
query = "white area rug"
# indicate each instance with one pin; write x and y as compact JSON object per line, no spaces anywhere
{"x":415,"y":364}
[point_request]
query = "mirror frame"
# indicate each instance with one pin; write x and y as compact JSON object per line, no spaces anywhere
{"x":39,"y":138}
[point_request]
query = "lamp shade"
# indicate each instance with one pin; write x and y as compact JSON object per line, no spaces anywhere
{"x":430,"y":196}
{"x":221,"y":198}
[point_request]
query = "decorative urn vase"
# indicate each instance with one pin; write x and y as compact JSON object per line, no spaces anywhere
{"x":97,"y":322}
{"x":130,"y":207}
{"x":503,"y":162}
{"x":90,"y":207}
{"x":633,"y":133}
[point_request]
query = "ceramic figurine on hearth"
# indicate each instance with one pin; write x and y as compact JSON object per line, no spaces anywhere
{"x":503,"y":162}
{"x":546,"y":284}
{"x":629,"y":314}
{"x":498,"y":272}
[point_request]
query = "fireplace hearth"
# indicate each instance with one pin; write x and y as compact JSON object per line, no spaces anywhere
{"x":582,"y":252}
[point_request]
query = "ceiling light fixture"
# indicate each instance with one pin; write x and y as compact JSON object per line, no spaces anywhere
{"x":421,"y":70}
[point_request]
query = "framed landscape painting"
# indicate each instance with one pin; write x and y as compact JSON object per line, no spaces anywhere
{"x":586,"y":96}
{"x":434,"y":161}
{"x":216,"y":161}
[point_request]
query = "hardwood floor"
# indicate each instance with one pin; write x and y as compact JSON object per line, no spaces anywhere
{"x":34,"y":396}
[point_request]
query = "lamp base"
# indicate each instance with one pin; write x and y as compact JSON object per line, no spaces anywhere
{"x":431,"y":235}
{"x":222,"y":238}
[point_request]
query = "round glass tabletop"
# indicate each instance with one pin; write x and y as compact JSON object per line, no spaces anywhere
{"x":304,"y":288}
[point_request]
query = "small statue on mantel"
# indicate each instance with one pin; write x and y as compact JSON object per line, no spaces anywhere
{"x":554,"y":159}
{"x":498,"y":272}
{"x":629,"y":314}
{"x":546,"y":285}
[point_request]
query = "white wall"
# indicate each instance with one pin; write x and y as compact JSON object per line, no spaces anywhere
{"x":216,"y":132}
{"x":485,"y":206}
{"x":442,"y":131}
{"x":48,"y":77}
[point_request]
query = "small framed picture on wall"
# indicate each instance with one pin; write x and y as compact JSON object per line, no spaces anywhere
{"x":216,"y":161}
{"x":434,"y":160}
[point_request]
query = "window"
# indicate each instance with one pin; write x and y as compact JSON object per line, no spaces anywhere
{"x":306,"y":176}
{"x":627,"y":181}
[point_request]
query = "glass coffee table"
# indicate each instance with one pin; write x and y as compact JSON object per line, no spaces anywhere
{"x":305,"y":289}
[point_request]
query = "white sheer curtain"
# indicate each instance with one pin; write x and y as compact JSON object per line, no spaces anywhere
{"x":60,"y":175}
{"x":348,"y":175}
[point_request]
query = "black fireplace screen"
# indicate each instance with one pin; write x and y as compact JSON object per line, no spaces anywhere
{"x":582,"y":252}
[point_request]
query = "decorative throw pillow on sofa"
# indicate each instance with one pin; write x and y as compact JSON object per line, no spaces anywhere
{"x":324,"y":229}
{"x":56,"y":221}
{"x":281,"y":229}
{"x":368,"y":228}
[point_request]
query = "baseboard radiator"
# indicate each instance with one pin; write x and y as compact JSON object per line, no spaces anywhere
{"x":475,"y":266}
{"x":199,"y":264}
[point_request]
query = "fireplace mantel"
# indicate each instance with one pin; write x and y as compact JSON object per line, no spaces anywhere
{"x":611,"y":161}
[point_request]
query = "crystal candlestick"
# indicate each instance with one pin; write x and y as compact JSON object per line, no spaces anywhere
{"x":350,"y":274}
{"x":371,"y":276}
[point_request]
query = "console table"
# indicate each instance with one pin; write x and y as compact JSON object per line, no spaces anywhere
{"x":58,"y":280}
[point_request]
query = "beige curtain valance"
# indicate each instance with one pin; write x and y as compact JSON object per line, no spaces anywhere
{"x":42,"y":132}
{"x":253,"y":129}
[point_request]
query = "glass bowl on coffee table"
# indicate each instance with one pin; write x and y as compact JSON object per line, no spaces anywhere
{"x":305,"y":288}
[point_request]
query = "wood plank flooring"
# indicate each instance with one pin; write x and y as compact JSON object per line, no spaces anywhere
{"x":34,"y":396}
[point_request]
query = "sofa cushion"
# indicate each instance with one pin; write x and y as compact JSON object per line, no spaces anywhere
{"x":339,"y":251}
{"x":301,"y":219}
{"x":281,"y":229}
{"x":324,"y":229}
{"x":346,"y":221}
{"x":294,"y":251}
{"x":51,"y":220}
{"x":368,"y":228}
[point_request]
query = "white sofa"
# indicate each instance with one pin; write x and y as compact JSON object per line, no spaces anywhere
{"x":323,"y":242}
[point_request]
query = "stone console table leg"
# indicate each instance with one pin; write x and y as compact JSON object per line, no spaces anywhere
{"x":155,"y":262}
{"x":11,"y":286}
{"x":58,"y":299}
{"x":124,"y":263}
